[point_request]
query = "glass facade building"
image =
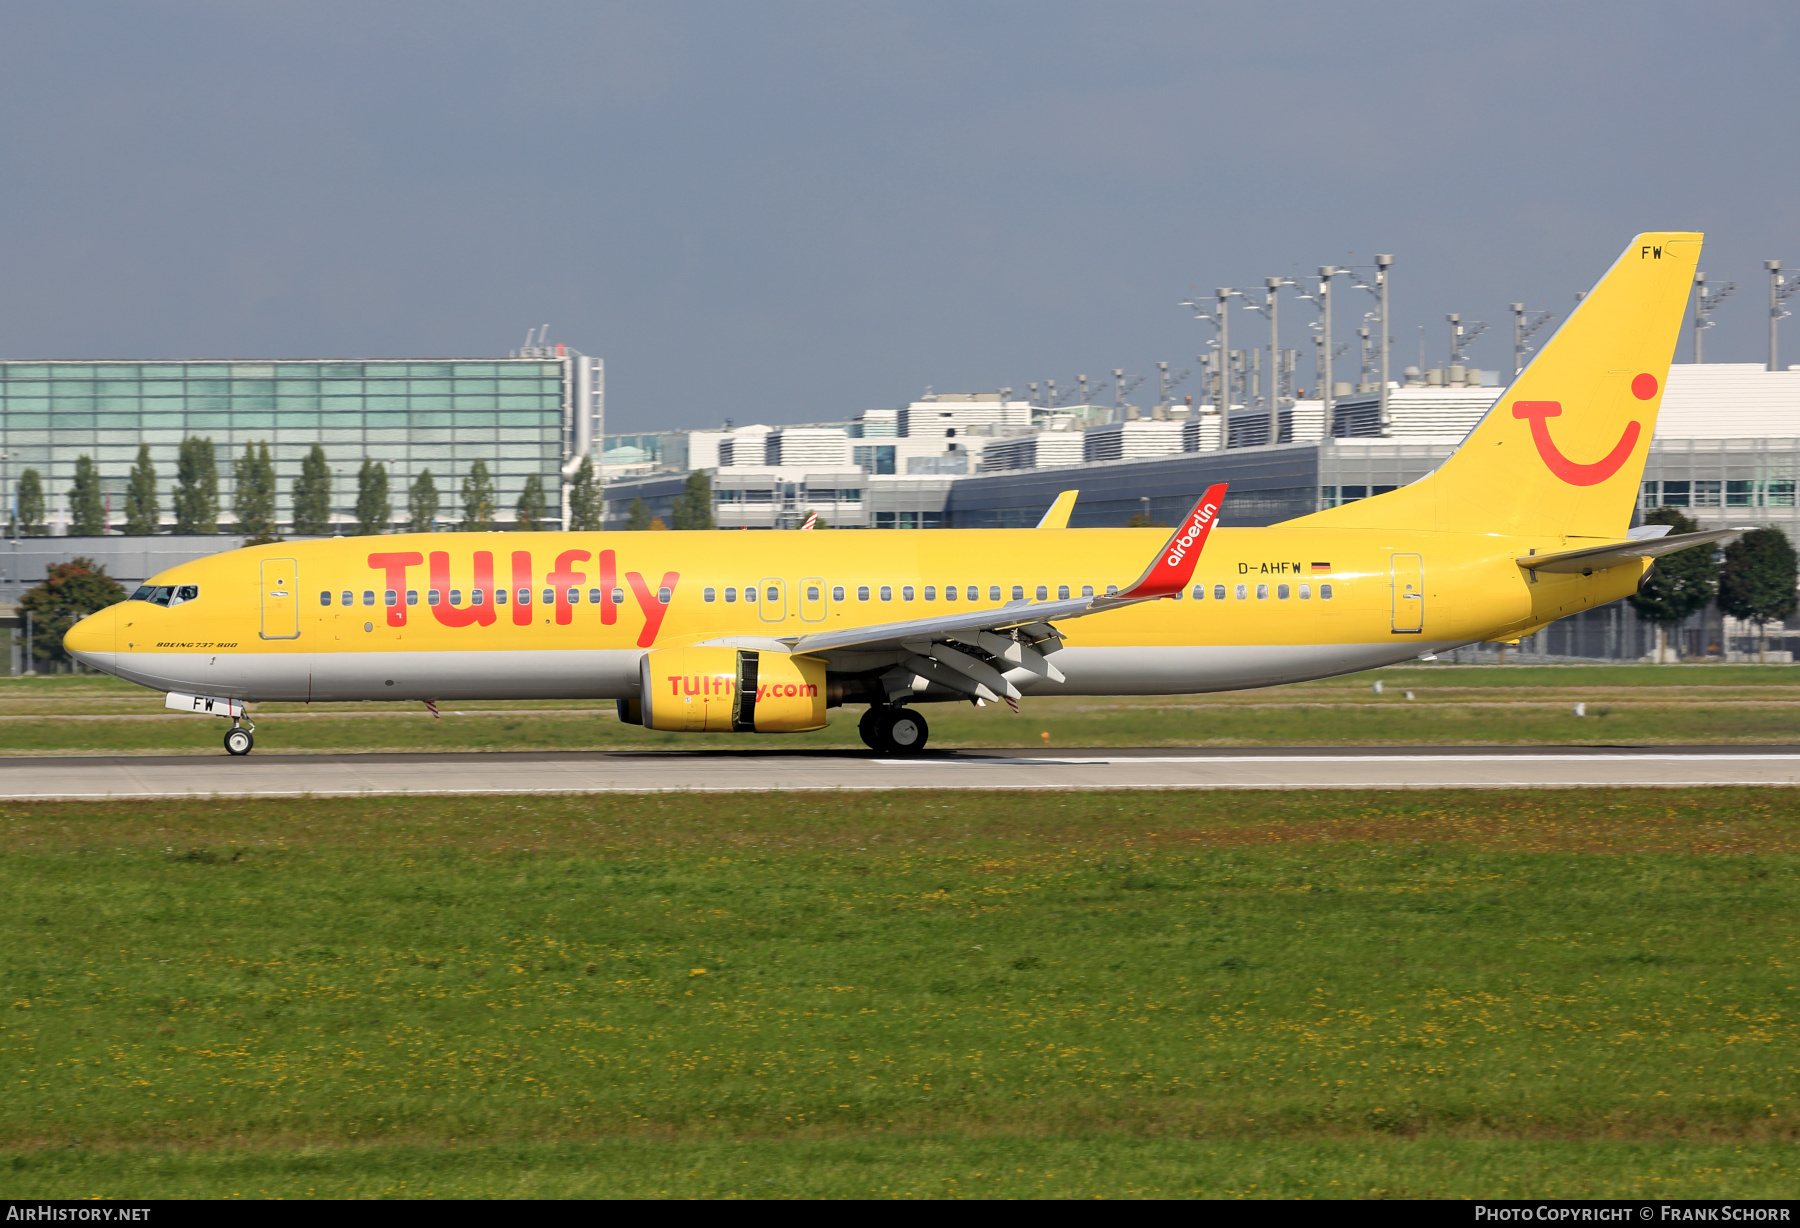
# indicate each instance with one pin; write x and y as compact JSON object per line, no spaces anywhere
{"x":411,"y":415}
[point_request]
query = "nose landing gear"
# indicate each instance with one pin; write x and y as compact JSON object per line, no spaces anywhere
{"x":239,"y":739}
{"x":893,"y":731}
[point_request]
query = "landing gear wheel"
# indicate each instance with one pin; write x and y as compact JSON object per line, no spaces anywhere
{"x":238,"y":741}
{"x":870,"y":727}
{"x":903,"y":731}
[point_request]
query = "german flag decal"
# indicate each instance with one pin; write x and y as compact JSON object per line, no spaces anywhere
{"x":1321,"y":566}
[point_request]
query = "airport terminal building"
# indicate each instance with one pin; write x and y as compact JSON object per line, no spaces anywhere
{"x":521,"y":416}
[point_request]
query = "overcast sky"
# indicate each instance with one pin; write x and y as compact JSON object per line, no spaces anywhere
{"x":790,"y":212}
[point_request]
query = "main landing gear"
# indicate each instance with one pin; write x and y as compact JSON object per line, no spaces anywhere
{"x":894,"y":731}
{"x":239,"y":739}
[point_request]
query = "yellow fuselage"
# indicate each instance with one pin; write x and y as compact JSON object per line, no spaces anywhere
{"x":312,"y":620}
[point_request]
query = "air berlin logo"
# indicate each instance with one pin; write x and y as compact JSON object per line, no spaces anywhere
{"x":1203,"y":516}
{"x":1538,"y":413}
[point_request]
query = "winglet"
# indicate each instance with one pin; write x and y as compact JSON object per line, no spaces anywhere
{"x":1174,"y":565}
{"x":1058,"y":515}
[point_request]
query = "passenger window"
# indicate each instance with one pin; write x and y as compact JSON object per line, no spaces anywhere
{"x":1324,"y":592}
{"x":524,"y":596}
{"x":1219,"y":592}
{"x":1112,"y":590}
{"x":772,"y":594}
{"x":619,"y":596}
{"x":812,"y":593}
{"x":477,"y":596}
{"x":1062,"y":592}
{"x":1043,"y":593}
{"x":456,"y":596}
{"x":1199,"y":592}
{"x":862,"y":592}
{"x":1178,"y":594}
{"x":574,"y":596}
{"x":837,"y":592}
{"x":931,"y":592}
{"x":906,"y":592}
{"x":594,"y":596}
{"x":663,"y":595}
{"x":949,"y":592}
{"x":993,"y":593}
{"x":1018,"y":592}
{"x":349,"y":598}
{"x":499,"y":596}
{"x":412,"y":596}
{"x":431,"y":597}
{"x":1087,"y":590}
{"x":708,"y":595}
{"x":730,"y":596}
{"x":391,"y":597}
{"x":1306,"y":592}
{"x":887,"y":592}
{"x":1281,"y":591}
{"x":549,"y":596}
{"x":368,"y":596}
{"x":1262,"y":592}
{"x":1242,"y":592}
{"x":325,"y":598}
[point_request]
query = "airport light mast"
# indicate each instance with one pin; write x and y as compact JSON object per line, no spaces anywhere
{"x":1704,"y":305}
{"x":1270,"y":306}
{"x":1780,"y":290}
{"x":1380,"y":290}
{"x":1526,"y":325}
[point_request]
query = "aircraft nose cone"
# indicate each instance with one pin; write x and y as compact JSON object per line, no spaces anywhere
{"x":90,"y":641}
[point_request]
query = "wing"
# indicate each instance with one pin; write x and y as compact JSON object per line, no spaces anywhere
{"x":970,"y":652}
{"x":1598,"y":558}
{"x":1058,"y":515}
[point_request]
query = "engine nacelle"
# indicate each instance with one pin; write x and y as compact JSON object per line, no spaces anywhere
{"x":731,"y":690}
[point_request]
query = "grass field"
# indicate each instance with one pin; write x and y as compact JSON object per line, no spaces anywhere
{"x":1108,"y":994}
{"x":1455,"y":705}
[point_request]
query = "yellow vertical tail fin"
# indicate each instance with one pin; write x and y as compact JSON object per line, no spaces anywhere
{"x":1562,"y":451}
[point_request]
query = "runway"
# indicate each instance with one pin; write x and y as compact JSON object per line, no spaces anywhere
{"x":121,"y":776}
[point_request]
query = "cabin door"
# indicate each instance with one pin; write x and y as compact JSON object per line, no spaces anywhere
{"x":772,"y":601}
{"x":280,"y":599}
{"x":1409,"y":594}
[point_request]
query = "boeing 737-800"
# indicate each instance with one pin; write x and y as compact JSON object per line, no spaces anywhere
{"x":709,"y":631}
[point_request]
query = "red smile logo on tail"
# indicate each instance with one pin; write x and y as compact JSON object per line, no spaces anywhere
{"x":1576,"y":474}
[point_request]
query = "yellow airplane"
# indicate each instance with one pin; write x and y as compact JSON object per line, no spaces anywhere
{"x":708,"y":631}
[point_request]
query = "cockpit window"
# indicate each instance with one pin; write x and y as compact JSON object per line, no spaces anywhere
{"x":166,"y":594}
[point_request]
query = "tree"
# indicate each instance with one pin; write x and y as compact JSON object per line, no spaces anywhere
{"x":70,"y":592}
{"x":312,"y":495}
{"x":29,"y":514}
{"x":529,"y":511}
{"x":657,"y":525}
{"x":693,"y":507}
{"x":253,"y":496}
{"x":87,"y":507}
{"x":1757,"y":582}
{"x":637,"y":516}
{"x":422,"y":503}
{"x":478,"y":499}
{"x":373,"y":508}
{"x":585,"y":509}
{"x":196,"y":487}
{"x":1680,"y":584}
{"x":143,"y":511}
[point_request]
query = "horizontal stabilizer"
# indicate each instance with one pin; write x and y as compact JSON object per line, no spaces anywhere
{"x":1598,"y":558}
